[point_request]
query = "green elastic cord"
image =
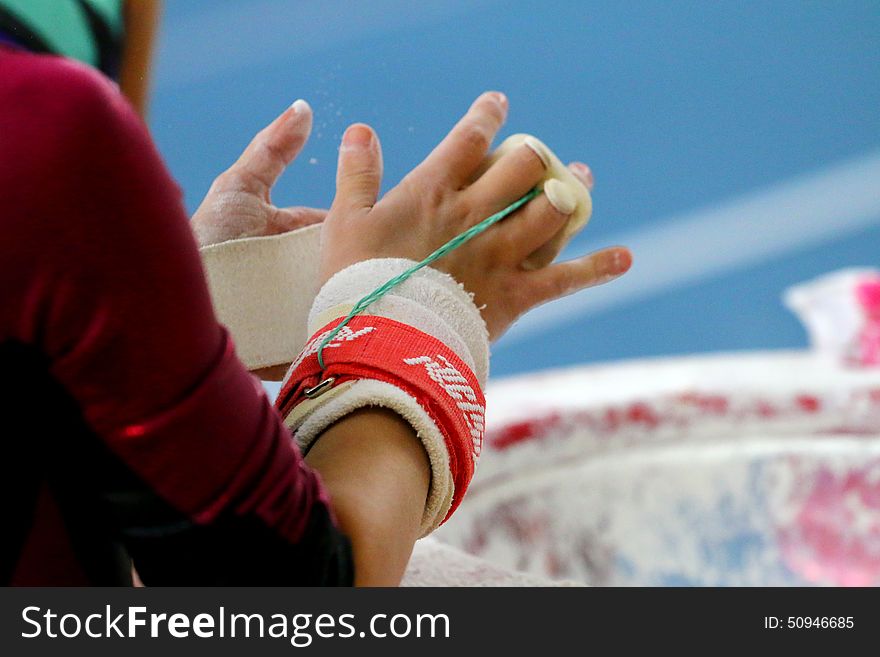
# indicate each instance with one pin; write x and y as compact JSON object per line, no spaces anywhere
{"x":451,"y":245}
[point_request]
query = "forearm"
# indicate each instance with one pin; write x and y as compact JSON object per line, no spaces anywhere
{"x":377,"y":474}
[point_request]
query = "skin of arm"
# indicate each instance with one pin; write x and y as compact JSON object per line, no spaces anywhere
{"x":377,"y":474}
{"x":141,"y":24}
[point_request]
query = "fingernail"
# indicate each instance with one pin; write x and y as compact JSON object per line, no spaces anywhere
{"x":539,"y":149}
{"x":560,"y":196}
{"x":586,"y":174}
{"x":620,"y":262}
{"x":357,"y":136}
{"x":299,"y":105}
{"x":500,"y":98}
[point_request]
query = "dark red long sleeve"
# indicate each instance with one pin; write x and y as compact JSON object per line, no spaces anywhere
{"x":132,"y":426}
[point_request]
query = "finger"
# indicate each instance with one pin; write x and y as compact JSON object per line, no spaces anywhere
{"x":457,"y":157}
{"x":272,"y":149}
{"x":507,"y":180}
{"x":583,"y":173}
{"x":287,"y":219}
{"x":530,"y":228}
{"x":556,"y":281}
{"x":359,"y":172}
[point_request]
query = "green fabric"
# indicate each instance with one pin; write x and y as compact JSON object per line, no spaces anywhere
{"x":63,"y":25}
{"x":60,"y":23}
{"x":111,"y":12}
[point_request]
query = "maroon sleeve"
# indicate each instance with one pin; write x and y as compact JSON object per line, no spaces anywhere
{"x":101,"y":275}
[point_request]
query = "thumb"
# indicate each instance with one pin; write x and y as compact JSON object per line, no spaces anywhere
{"x":359,"y":172}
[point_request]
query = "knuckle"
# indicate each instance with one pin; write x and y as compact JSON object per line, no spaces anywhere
{"x":228,"y":180}
{"x":562,"y":282}
{"x":432,"y":194}
{"x":497,"y":240}
{"x":427,"y":192}
{"x":273,"y":153}
{"x":546,"y":288}
{"x":508,"y":241}
{"x":552,"y":220}
{"x":521,"y":295}
{"x":362,"y":178}
{"x":474,"y":136}
{"x":463,"y":208}
{"x":249,"y":179}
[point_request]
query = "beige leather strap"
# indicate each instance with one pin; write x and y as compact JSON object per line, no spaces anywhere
{"x":262,"y":289}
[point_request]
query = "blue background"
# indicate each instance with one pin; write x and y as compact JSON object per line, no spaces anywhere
{"x":679,"y":108}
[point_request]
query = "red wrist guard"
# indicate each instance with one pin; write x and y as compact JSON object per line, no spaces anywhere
{"x":430,"y":373}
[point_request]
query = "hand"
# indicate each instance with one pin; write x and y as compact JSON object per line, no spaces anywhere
{"x":238,"y":203}
{"x":443,"y":197}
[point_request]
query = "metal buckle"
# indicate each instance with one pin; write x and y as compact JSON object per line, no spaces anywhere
{"x":320,"y":389}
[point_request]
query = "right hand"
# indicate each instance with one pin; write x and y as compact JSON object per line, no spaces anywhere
{"x":441,"y":198}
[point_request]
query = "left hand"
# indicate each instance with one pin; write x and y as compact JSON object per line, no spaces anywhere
{"x":238,"y":204}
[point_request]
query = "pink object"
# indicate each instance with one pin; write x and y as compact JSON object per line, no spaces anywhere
{"x":841,"y":313}
{"x":868,"y":346}
{"x":834,"y":536}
